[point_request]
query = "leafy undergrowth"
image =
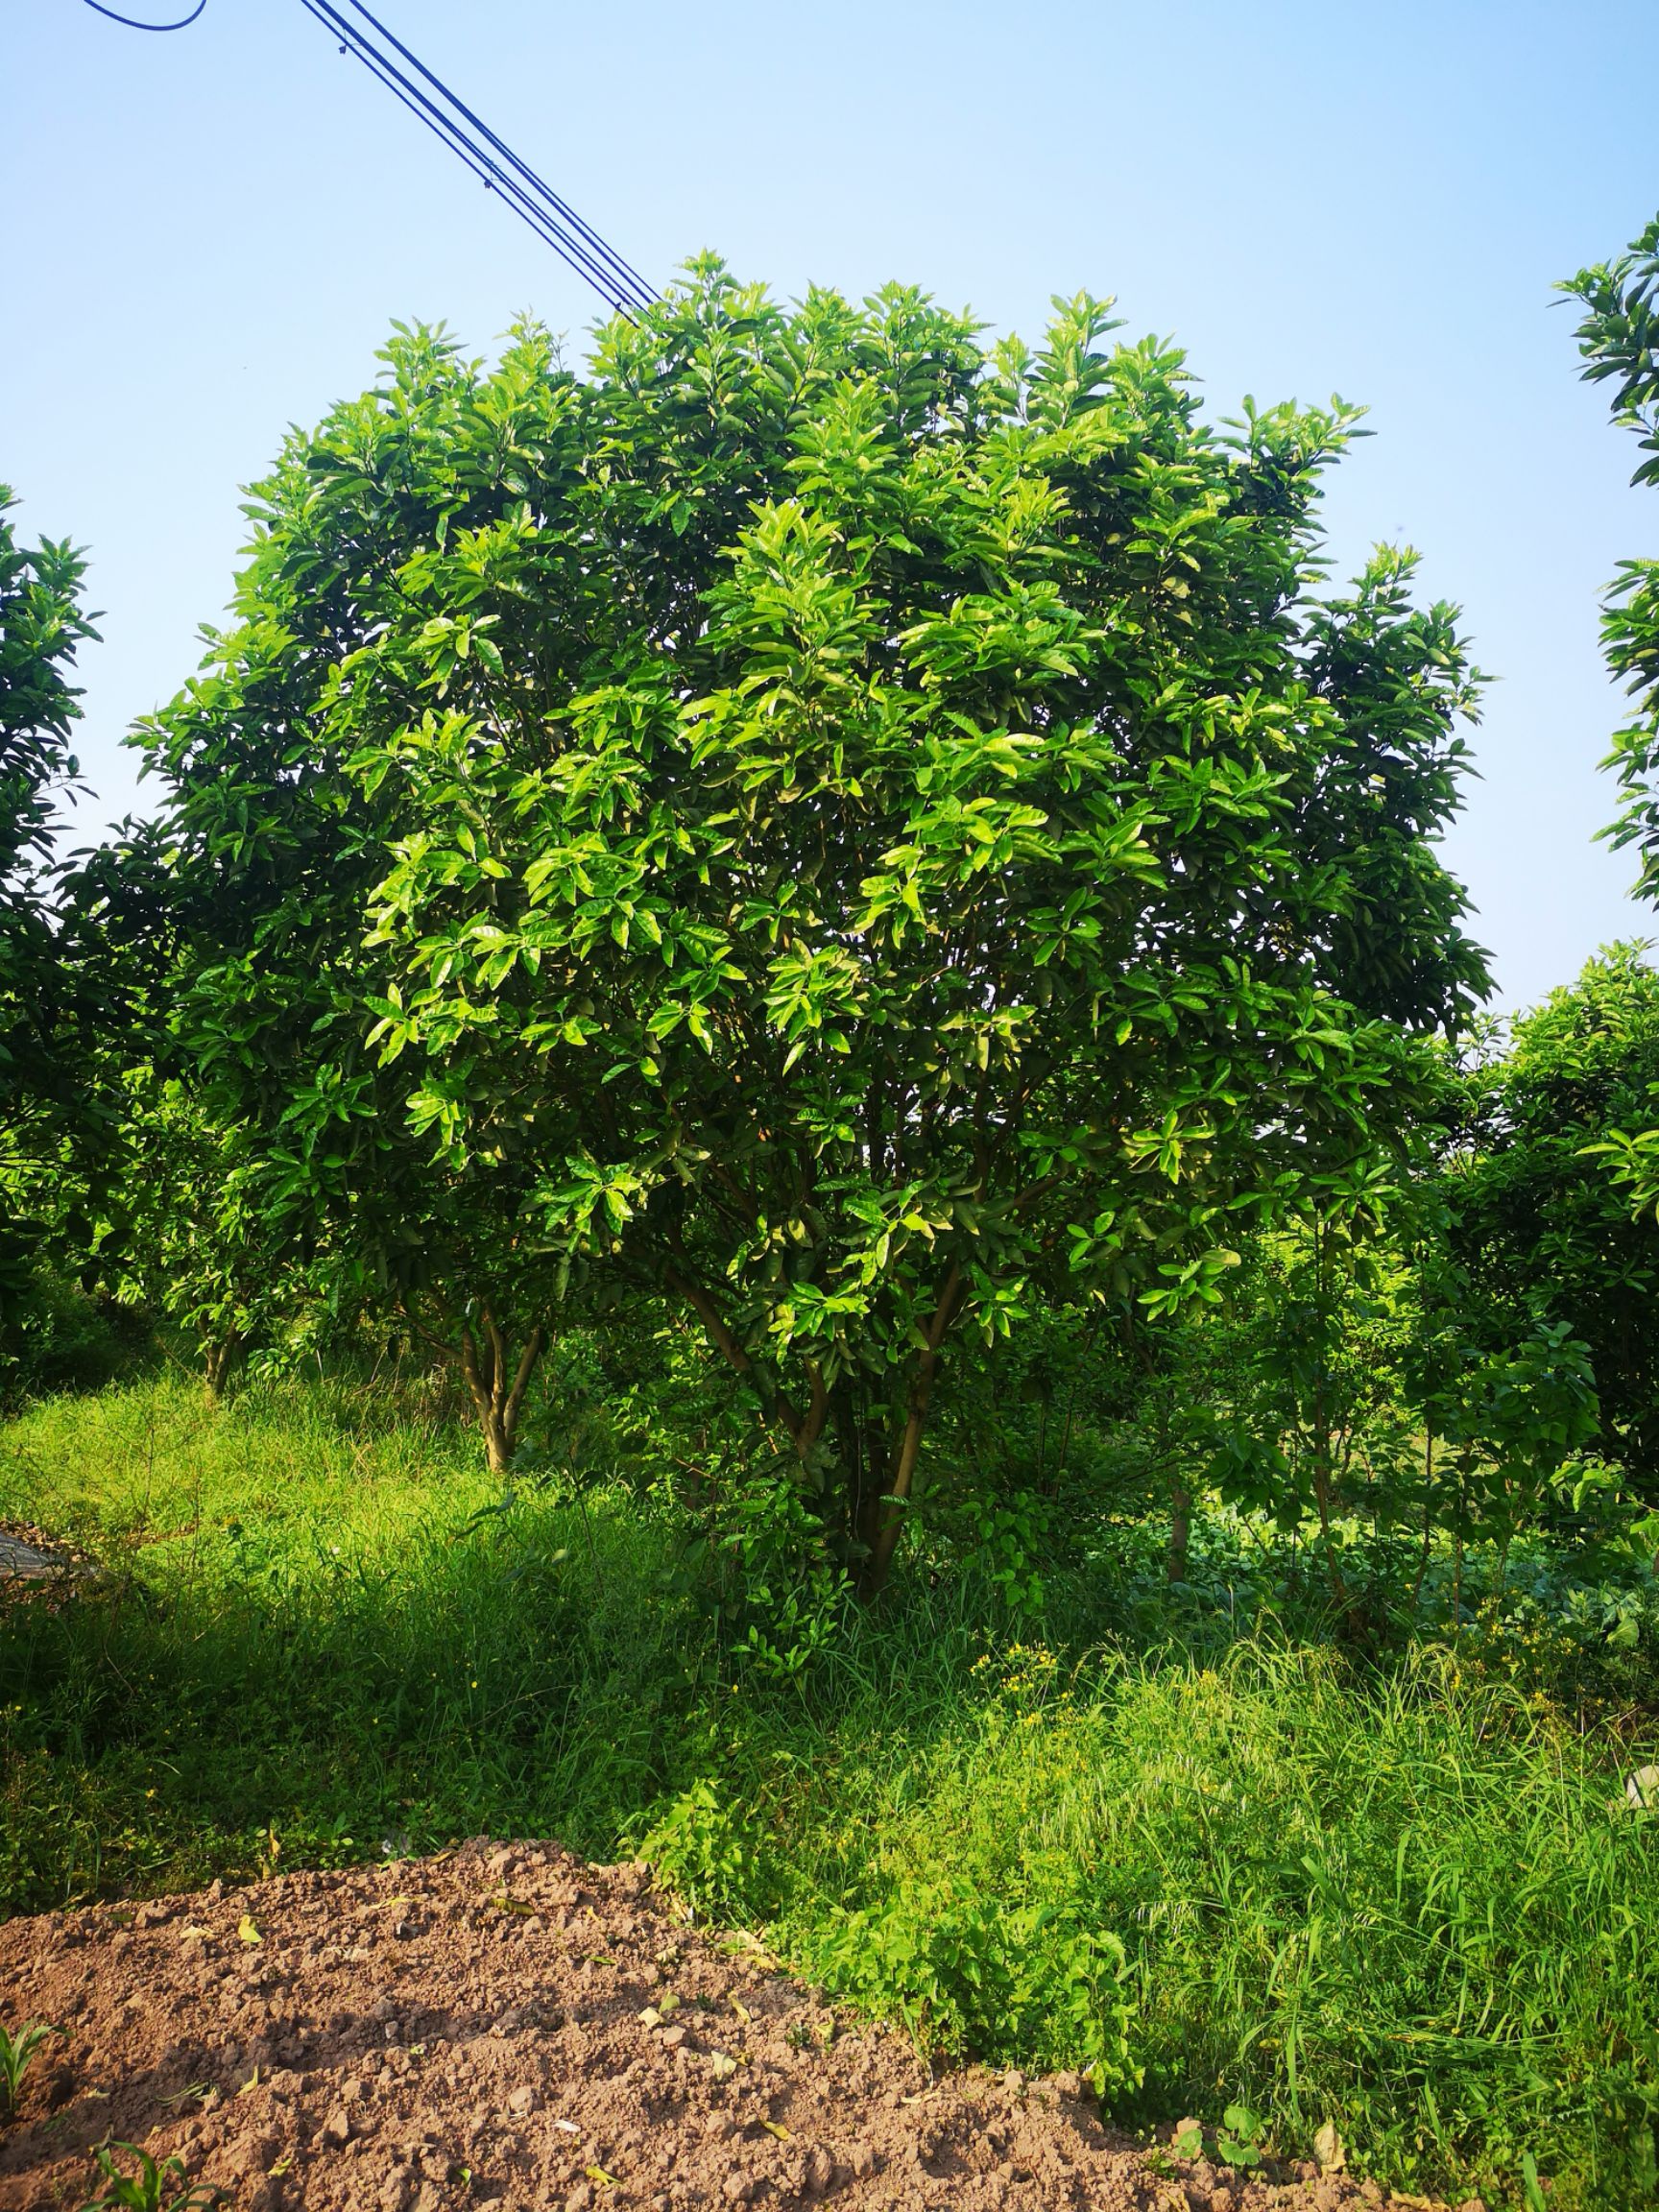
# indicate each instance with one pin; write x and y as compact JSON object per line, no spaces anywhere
{"x":1411,"y":1901}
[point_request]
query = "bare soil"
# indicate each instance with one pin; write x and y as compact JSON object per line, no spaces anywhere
{"x":506,"y":2026}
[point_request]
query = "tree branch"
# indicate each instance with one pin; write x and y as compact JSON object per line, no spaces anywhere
{"x":773,"y":1398}
{"x":527,"y":1360}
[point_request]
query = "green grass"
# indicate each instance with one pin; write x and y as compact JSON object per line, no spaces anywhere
{"x":296,"y":1653}
{"x":1401,"y":1904}
{"x":1396,"y":1899}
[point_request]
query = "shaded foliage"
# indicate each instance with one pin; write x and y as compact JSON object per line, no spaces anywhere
{"x":1538,"y":1225}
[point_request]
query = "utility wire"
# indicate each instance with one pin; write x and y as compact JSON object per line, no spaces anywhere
{"x":132,"y":24}
{"x":471,"y":139}
{"x":530,"y":198}
{"x":629,"y":275}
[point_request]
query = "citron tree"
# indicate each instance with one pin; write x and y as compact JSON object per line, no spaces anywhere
{"x":841,"y":827}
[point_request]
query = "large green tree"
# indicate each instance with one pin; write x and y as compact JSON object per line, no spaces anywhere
{"x":854,"y":828}
{"x":320,"y":1188}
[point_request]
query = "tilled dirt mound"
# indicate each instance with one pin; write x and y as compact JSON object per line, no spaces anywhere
{"x":507,"y":2026}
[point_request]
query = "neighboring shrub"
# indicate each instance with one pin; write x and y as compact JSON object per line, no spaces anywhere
{"x":970,"y":1976}
{"x":711,"y":1855}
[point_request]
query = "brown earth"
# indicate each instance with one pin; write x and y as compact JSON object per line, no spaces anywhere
{"x":507,"y":2026}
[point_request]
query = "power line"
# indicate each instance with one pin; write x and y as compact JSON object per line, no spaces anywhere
{"x":132,"y":24}
{"x":531,"y":199}
{"x":471,"y":139}
{"x":629,"y":275}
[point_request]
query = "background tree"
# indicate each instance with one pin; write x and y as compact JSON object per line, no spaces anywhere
{"x":1539,"y":1229}
{"x":1619,"y":339}
{"x":41,"y":626}
{"x":1319,"y":1421}
{"x":44,"y":1092}
{"x":83,"y":939}
{"x":187,"y":1236}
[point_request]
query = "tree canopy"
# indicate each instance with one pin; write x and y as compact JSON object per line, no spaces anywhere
{"x":822,"y":820}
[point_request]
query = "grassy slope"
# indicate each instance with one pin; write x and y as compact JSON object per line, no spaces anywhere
{"x":1399,"y":1901}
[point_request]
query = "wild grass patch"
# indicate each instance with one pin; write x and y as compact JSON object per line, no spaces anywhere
{"x":1408,"y":1900}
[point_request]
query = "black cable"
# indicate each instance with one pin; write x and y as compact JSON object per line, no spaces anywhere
{"x":593,"y":249}
{"x":543,"y":216}
{"x":531,"y":198}
{"x":488,"y":175}
{"x":629,"y":274}
{"x":451,"y":134}
{"x":183,"y":23}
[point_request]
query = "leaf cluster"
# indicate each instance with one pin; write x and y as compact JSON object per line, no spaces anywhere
{"x":1619,"y":340}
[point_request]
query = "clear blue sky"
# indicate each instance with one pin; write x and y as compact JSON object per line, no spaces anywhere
{"x":207,"y":235}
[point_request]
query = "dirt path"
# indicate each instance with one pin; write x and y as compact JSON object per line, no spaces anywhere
{"x":507,"y":2026}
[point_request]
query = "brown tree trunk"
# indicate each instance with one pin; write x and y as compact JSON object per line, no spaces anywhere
{"x":218,"y":1364}
{"x":1322,"y":1485}
{"x":1428,"y":1520}
{"x":884,"y":1513}
{"x":878,"y":1471}
{"x":1321,"y":1427}
{"x":803,"y":1430}
{"x":1180,"y":1529}
{"x":497,"y":1387}
{"x":1457,"y":1541}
